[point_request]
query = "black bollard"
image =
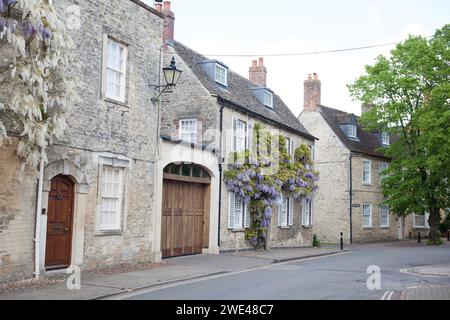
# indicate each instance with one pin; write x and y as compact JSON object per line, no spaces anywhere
{"x":419,"y":240}
{"x":342,"y":241}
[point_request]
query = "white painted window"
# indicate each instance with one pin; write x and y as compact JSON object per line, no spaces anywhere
{"x":111,"y":198}
{"x":367,"y":172}
{"x":352,"y":131}
{"x":385,"y":138}
{"x":188,"y":130}
{"x":367,"y":215}
{"x":289,"y":146}
{"x":420,"y":220}
{"x":221,"y":75}
{"x":116,"y":58}
{"x":285,"y":213}
{"x":268,"y":99}
{"x":239,"y":135}
{"x":307,"y":212}
{"x":312,"y":151}
{"x":381,"y":168}
{"x":384,"y":216}
{"x":238,"y":213}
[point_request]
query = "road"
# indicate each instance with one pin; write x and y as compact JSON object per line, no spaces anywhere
{"x":335,"y":277}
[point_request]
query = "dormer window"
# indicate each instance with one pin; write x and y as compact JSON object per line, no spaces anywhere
{"x":268,"y":99}
{"x":221,"y":75}
{"x":385,"y":139}
{"x":352,"y":131}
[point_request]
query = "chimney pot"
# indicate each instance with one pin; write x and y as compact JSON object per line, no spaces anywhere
{"x":166,"y":6}
{"x":312,"y":93}
{"x":158,"y":7}
{"x":258,"y":73}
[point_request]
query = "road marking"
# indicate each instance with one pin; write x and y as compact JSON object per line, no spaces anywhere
{"x":217,"y":276}
{"x":387,"y":295}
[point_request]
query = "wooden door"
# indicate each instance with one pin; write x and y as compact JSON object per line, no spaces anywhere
{"x":182,"y":218}
{"x":59,"y":223}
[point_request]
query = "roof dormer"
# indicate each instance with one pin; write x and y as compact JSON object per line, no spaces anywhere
{"x":264,"y":95}
{"x":216,"y":71}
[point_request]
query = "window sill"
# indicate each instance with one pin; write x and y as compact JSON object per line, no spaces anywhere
{"x":421,"y":228}
{"x":106,"y":233}
{"x":308,"y":227}
{"x":237,"y":230}
{"x":367,"y":184}
{"x":368,"y":228}
{"x":116,"y":102}
{"x":284,"y":227}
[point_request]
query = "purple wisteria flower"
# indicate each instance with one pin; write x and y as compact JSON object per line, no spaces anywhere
{"x":28,"y":29}
{"x":46,"y":33}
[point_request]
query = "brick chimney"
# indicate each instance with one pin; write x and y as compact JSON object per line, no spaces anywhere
{"x":169,"y":22}
{"x":312,"y":93}
{"x":258,"y":73}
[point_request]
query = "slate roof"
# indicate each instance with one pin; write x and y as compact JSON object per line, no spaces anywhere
{"x":239,"y":95}
{"x":368,"y":143}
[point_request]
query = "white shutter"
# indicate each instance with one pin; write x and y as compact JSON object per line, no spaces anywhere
{"x":291,"y":212}
{"x":247,"y":220}
{"x":234,"y":135}
{"x":231,"y":211}
{"x":280,"y":214}
{"x":292,"y":151}
{"x":304,"y":212}
{"x":250,"y":136}
{"x":311,"y":218}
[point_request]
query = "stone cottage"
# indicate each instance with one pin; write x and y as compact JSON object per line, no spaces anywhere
{"x":98,"y":192}
{"x":349,"y":198}
{"x":213,"y":110}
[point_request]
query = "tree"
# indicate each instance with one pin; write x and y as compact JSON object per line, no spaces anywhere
{"x":35,"y":84}
{"x":410,"y":97}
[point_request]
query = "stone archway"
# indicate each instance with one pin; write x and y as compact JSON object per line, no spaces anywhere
{"x":66,"y":168}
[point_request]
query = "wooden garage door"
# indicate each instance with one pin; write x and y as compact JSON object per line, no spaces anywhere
{"x":182,"y":218}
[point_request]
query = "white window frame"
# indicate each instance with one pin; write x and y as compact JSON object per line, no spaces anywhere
{"x":217,"y":74}
{"x":235,"y":147}
{"x":382,"y":166}
{"x":285,"y":213}
{"x":352,"y":131}
{"x":192,"y":133}
{"x":384,"y":214}
{"x":425,"y":225}
{"x":118,"y":210}
{"x":238,"y":217}
{"x":312,"y":151}
{"x":385,"y":138}
{"x":307,"y":215}
{"x":268,"y":99}
{"x":370,"y":224}
{"x":121,"y":72}
{"x":367,"y":179}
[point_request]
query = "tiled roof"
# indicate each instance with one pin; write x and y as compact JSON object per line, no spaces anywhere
{"x":238,"y":93}
{"x":367,"y":142}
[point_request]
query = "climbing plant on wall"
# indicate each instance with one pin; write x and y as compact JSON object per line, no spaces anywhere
{"x":265,"y":173}
{"x":35,"y":84}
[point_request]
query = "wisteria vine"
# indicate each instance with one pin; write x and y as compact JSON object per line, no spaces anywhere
{"x":248,"y":176}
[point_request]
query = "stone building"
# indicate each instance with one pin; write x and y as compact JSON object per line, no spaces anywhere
{"x":349,"y":198}
{"x":98,"y":197}
{"x":214,"y":109}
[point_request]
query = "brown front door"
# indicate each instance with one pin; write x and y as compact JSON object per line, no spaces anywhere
{"x":182,"y":218}
{"x":59,"y":223}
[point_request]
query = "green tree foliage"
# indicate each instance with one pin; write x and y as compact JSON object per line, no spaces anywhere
{"x":410,"y":97}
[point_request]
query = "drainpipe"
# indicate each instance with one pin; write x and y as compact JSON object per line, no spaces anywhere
{"x":351,"y":198}
{"x":38,"y":220}
{"x":220,"y":170}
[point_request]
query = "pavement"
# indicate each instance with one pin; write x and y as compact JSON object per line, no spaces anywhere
{"x":172,"y":271}
{"x":428,"y":292}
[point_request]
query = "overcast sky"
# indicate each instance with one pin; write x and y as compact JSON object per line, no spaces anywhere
{"x":286,"y":26}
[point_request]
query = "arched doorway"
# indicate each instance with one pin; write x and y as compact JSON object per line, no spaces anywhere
{"x":59,"y":223}
{"x":185,"y":210}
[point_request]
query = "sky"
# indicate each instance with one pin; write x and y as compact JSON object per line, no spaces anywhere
{"x":259,"y":27}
